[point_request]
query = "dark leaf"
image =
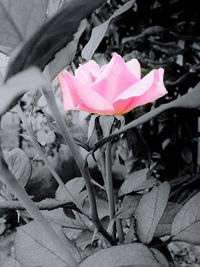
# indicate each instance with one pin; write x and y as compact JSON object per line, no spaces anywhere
{"x":164,"y":226}
{"x":20,"y":165}
{"x":41,"y":48}
{"x":19,"y":20}
{"x":122,"y":255}
{"x":150,"y":210}
{"x":186,"y":224}
{"x":134,"y":180}
{"x":128,"y":206}
{"x":99,"y":31}
{"x":66,"y":55}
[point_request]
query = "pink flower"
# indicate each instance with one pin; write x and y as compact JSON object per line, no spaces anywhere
{"x":115,"y":88}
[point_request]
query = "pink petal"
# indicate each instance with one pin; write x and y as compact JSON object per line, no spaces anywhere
{"x":83,"y":97}
{"x":70,"y":97}
{"x":115,"y":77}
{"x":146,"y":90}
{"x":87,"y":72}
{"x":134,"y":67}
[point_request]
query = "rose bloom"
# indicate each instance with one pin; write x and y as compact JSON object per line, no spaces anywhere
{"x":115,"y":88}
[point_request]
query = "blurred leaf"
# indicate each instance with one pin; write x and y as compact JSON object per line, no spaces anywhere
{"x":150,"y":210}
{"x":35,"y":98}
{"x":66,"y":55}
{"x":74,"y":186}
{"x":33,"y":247}
{"x":186,"y":154}
{"x":149,"y":183}
{"x":19,"y":20}
{"x":102,"y":205}
{"x":91,"y":127}
{"x":20,"y":165}
{"x":69,"y":208}
{"x":106,"y":123}
{"x":11,"y":262}
{"x":131,"y":234}
{"x":99,"y":31}
{"x":53,"y":7}
{"x":15,"y":87}
{"x":84,"y":239}
{"x":134,"y":180}
{"x":160,"y":258}
{"x":128,"y":206}
{"x":186,"y":224}
{"x":164,"y":226}
{"x":122,"y":255}
{"x":2,"y":224}
{"x":41,"y":48}
{"x":69,"y":213}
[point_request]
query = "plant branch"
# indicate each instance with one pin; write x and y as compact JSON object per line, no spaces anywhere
{"x":109,"y":185}
{"x":47,"y":204}
{"x":49,"y":96}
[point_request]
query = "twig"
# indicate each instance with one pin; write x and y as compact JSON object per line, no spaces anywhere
{"x":47,"y":204}
{"x":49,"y":96}
{"x":109,"y":186}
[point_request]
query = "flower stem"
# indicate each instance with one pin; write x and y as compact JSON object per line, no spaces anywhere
{"x":109,"y":186}
{"x":10,"y":181}
{"x":49,"y":96}
{"x":120,"y":232}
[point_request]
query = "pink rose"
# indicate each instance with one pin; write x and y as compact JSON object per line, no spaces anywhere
{"x":115,"y":88}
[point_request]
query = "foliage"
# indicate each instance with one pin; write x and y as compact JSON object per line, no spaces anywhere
{"x":92,"y":222}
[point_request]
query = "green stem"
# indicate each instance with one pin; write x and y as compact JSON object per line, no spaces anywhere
{"x":49,"y":96}
{"x":120,"y":232}
{"x":109,"y":186}
{"x":10,"y":181}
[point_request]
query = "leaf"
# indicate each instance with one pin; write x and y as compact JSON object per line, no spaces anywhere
{"x":135,"y":254}
{"x":106,"y":123}
{"x":134,"y":180}
{"x":19,"y":20}
{"x":164,"y":226}
{"x":102,"y":205}
{"x":131,"y":234}
{"x":66,"y":55}
{"x":160,"y":258}
{"x":186,"y":154}
{"x":54,"y":35}
{"x":11,"y":262}
{"x":186,"y":224}
{"x":15,"y":87}
{"x":99,"y":31}
{"x":71,"y":227}
{"x":20,"y":165}
{"x":33,"y":247}
{"x":128,"y":206}
{"x":74,"y":186}
{"x":149,"y":183}
{"x":150,"y":210}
